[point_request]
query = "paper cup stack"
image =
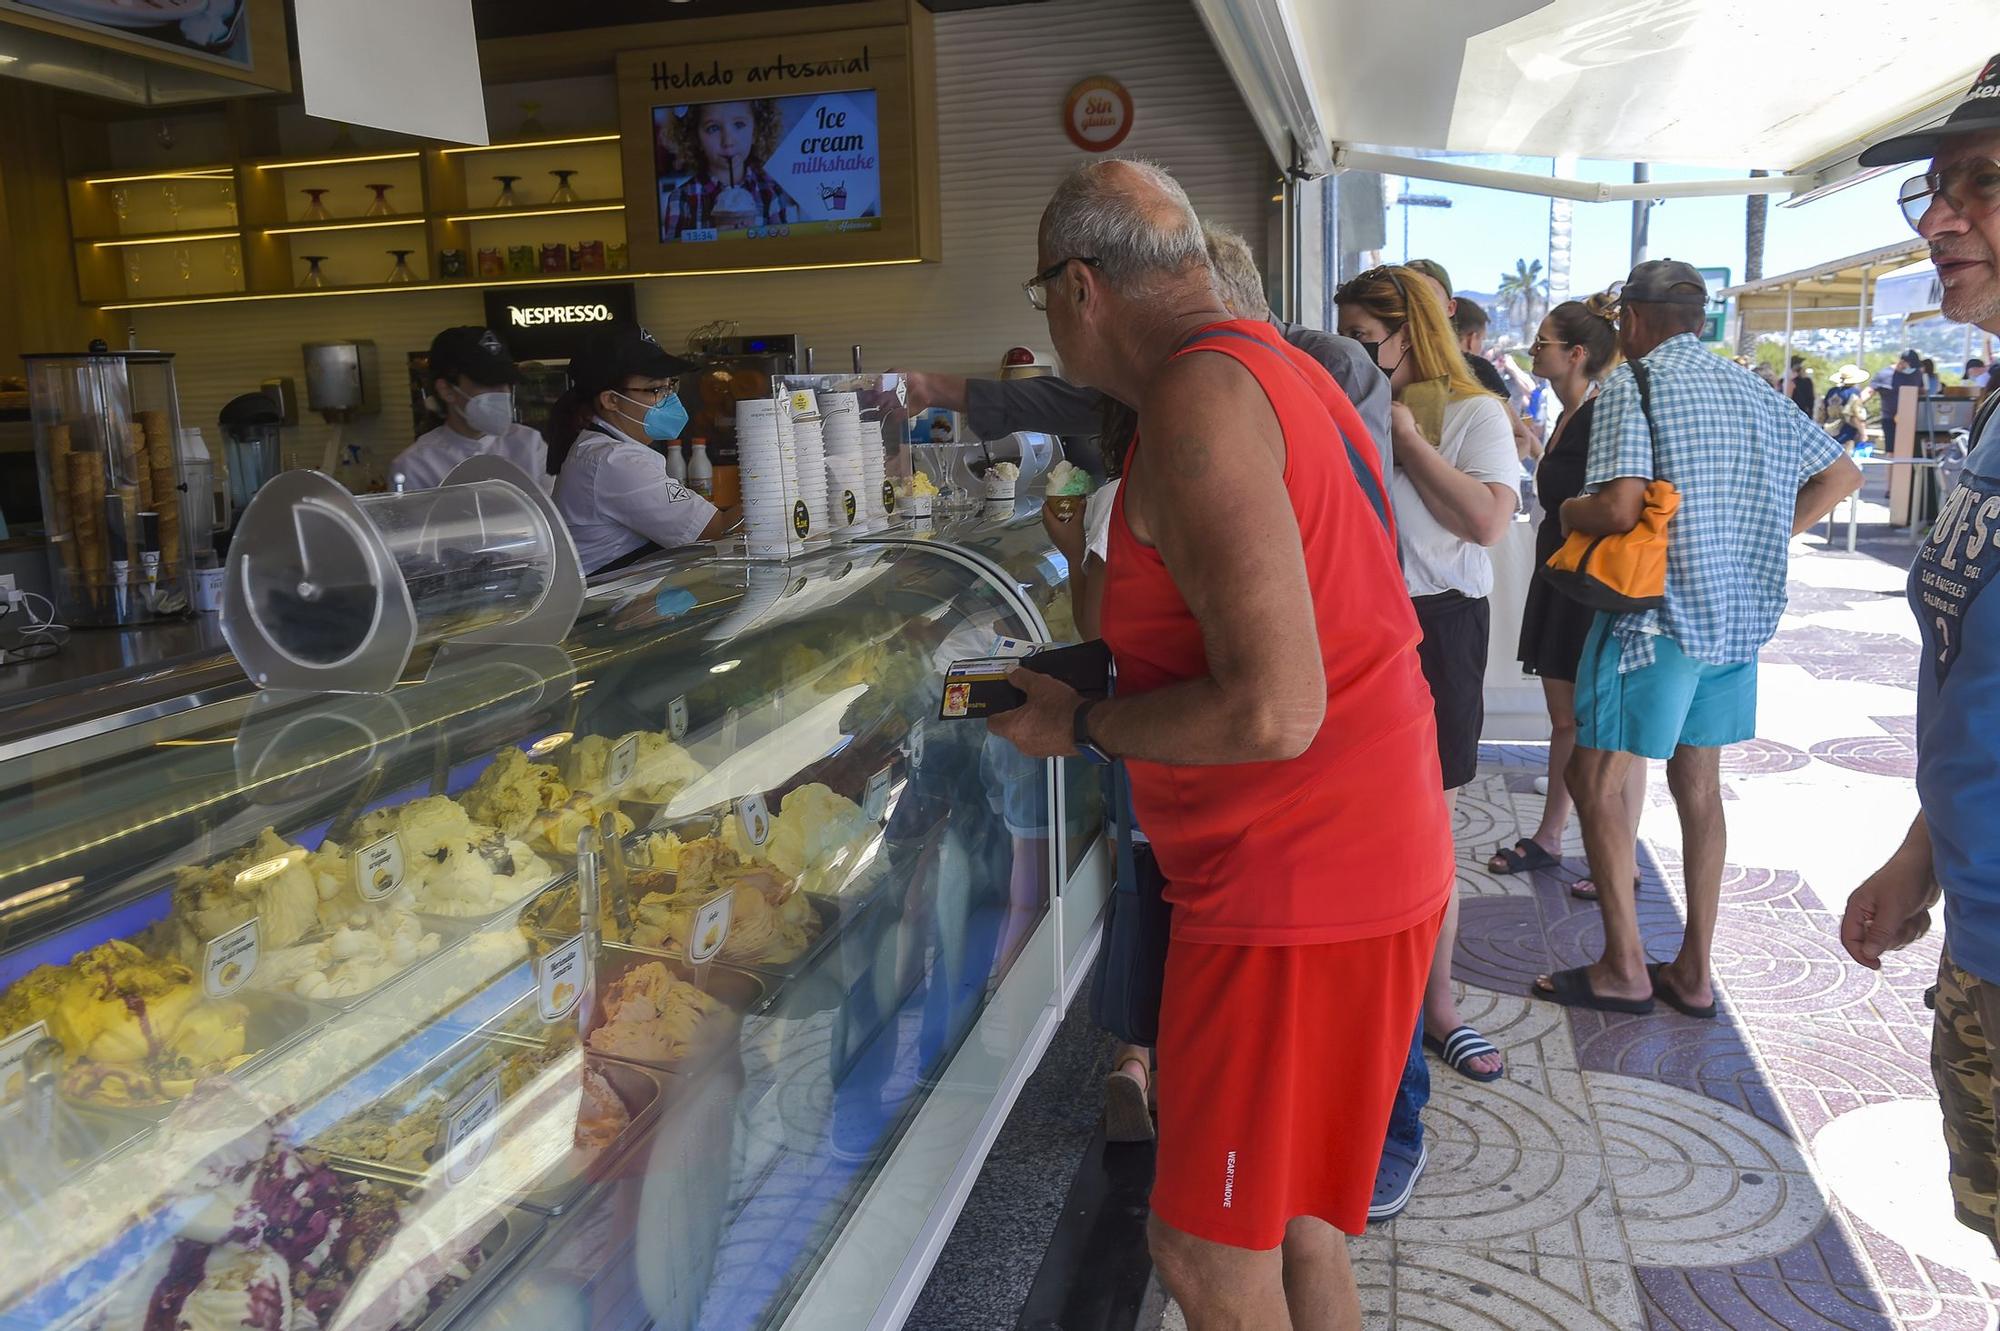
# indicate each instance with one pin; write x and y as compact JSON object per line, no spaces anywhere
{"x":874,"y":474}
{"x":846,"y":492}
{"x":809,"y":447}
{"x":770,"y":478}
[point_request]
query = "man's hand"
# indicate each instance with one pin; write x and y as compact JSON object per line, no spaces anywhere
{"x":926,"y":390}
{"x":1045,"y":725}
{"x":1890,"y":911}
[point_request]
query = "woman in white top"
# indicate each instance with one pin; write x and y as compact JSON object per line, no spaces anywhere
{"x":472,"y":381}
{"x":612,"y":486}
{"x":1455,"y":489}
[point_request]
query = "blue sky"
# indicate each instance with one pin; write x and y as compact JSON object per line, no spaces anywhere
{"x":1485,"y":230}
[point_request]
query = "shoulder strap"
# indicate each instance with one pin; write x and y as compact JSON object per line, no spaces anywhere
{"x":1643,"y":377}
{"x":1336,"y":406}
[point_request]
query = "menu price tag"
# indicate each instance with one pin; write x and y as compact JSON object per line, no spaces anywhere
{"x":229,"y":960}
{"x":624,"y":760}
{"x":711,"y":927}
{"x":469,"y":1127}
{"x":756,"y":818}
{"x":677,"y":717}
{"x":875,"y":802}
{"x":378,"y":867}
{"x":559,"y":977}
{"x":14,"y":1059}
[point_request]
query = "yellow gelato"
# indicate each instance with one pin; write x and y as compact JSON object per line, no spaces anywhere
{"x":512,"y":791}
{"x":662,"y":770}
{"x":451,"y":864}
{"x":556,"y":831}
{"x":651,"y":1016}
{"x":769,"y":921}
{"x":280,"y":885}
{"x":584,"y":761}
{"x":818,"y":839}
{"x":134,"y":1030}
{"x":921,"y":484}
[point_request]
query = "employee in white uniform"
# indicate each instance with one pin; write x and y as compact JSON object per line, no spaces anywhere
{"x":612,"y":486}
{"x":472,"y":382}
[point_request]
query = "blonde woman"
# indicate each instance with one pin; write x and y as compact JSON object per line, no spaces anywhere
{"x":1455,"y":490}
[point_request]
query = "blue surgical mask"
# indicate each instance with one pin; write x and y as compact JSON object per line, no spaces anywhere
{"x":664,"y":419}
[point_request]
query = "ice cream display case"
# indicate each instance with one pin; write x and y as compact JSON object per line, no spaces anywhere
{"x":675,"y":975}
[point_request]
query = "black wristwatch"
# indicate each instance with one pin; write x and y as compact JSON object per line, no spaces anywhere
{"x":1086,"y":748}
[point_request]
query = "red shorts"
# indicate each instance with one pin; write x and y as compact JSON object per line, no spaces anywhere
{"x":1277,"y":1068}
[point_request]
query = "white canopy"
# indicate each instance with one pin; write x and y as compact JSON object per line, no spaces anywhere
{"x":1797,"y":87}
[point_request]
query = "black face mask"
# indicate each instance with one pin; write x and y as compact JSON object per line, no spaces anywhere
{"x":1374,"y":350}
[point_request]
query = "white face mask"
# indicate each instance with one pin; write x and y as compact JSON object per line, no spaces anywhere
{"x":489,"y":413}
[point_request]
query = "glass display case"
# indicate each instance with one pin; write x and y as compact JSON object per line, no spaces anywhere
{"x":678,"y":975}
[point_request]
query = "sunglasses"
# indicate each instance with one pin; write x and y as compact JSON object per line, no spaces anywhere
{"x":1037,"y":286}
{"x":1971,"y":188}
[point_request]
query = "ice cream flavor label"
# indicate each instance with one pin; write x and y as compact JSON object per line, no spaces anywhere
{"x":756,"y":818}
{"x":875,"y":802}
{"x":677,"y":717}
{"x":229,"y":960}
{"x":913,"y":743}
{"x":378,"y":867}
{"x":624,"y":760}
{"x":14,"y":1059}
{"x":469,"y":1126}
{"x":888,"y":496}
{"x":711,"y":927}
{"x":559,"y":975}
{"x":849,"y":504}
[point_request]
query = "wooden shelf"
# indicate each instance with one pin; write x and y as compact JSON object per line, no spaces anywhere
{"x":346,"y":224}
{"x":538,"y":210}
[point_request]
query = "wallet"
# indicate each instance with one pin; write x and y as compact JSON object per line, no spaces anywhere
{"x":978,"y":687}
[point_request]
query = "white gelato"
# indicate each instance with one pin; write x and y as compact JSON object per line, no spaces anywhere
{"x":364,"y":952}
{"x":1000,"y":480}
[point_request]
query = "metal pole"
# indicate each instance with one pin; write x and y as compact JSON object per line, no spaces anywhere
{"x":1641,"y":173}
{"x":1791,"y":293}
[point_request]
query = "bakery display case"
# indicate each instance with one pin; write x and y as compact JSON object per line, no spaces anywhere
{"x":678,"y":974}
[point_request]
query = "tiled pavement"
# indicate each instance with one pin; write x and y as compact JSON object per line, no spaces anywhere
{"x":1779,"y":1168}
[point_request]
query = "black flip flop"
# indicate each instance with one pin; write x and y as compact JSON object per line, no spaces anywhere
{"x":1572,"y":988}
{"x":1523,"y":856}
{"x":1665,"y":993}
{"x":1462,"y":1046}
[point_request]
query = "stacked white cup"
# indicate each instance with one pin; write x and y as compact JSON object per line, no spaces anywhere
{"x":809,"y":445}
{"x":770,"y":472}
{"x":874,"y":474}
{"x":846,"y":494}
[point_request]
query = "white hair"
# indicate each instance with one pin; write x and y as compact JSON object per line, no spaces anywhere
{"x":1237,"y":280}
{"x":1136,"y":235}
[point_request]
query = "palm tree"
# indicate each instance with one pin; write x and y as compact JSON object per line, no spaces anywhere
{"x":1522,"y":291}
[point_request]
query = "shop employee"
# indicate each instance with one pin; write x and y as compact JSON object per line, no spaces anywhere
{"x":612,"y":486}
{"x":472,"y":382}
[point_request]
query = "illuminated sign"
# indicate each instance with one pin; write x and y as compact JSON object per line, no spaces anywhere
{"x":551,"y":322}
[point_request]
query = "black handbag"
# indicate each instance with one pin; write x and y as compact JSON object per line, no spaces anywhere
{"x":1132,"y":960}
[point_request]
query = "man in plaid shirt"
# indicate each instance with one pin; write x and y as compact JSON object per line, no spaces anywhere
{"x":1681,"y":682}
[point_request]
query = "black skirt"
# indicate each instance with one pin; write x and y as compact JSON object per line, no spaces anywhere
{"x":1553,"y":626}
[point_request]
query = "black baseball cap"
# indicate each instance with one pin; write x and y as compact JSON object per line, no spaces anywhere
{"x":474,"y":353}
{"x":612,"y":355}
{"x":1664,"y":282}
{"x":1978,"y":113}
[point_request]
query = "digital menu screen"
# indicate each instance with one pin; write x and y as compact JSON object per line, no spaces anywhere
{"x":768,"y":167}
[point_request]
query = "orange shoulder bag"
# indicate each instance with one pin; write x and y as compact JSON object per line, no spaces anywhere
{"x":1625,"y":573}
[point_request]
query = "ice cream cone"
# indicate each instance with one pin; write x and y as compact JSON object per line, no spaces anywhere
{"x":1065,"y":507}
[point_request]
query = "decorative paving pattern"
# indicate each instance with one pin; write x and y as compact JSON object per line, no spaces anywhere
{"x":1745,"y":1174}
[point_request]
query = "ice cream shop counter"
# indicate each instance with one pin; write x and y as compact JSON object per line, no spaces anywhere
{"x":677,"y":973}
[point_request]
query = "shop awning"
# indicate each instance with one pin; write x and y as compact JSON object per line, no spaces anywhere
{"x":1841,"y":293}
{"x":1797,"y":88}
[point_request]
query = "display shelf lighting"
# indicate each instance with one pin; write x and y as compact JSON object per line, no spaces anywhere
{"x":178,"y":238}
{"x":531,"y":143}
{"x":473,"y":284}
{"x":502,"y":214}
{"x":412,"y":155}
{"x":363,"y":224}
{"x":193,"y":173}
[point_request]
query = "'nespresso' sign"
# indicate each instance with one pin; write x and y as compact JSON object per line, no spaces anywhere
{"x":550,"y":322}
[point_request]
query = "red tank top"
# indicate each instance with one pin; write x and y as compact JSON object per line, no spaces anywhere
{"x":1350,"y":839}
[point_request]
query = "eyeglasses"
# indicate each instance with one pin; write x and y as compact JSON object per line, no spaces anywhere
{"x":1541,"y":342}
{"x":1971,"y":188}
{"x":1037,"y":286}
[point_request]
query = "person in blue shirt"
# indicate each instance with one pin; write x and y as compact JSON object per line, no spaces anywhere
{"x":1953,"y":847}
{"x":1679,"y":682}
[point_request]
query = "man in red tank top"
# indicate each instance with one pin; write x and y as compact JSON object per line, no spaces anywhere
{"x":1274,"y":721}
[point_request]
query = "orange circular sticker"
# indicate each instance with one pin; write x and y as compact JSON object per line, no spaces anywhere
{"x":1097,"y":114}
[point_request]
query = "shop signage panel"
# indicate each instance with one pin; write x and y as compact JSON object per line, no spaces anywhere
{"x":551,"y":322}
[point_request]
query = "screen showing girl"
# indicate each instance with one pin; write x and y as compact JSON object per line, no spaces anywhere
{"x":713,"y":176}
